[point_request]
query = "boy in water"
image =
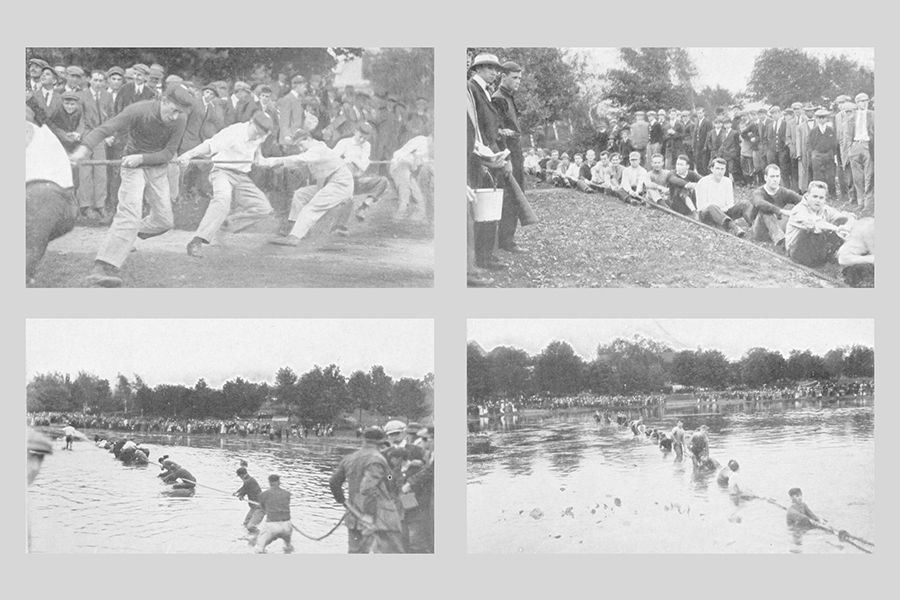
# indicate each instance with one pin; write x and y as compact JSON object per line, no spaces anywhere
{"x":799,"y":514}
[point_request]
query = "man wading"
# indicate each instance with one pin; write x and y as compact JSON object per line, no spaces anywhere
{"x":276,"y":504}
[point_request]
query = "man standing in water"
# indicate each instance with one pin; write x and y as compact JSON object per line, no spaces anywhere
{"x":678,"y":443}
{"x":70,"y":435}
{"x":700,"y":446}
{"x":251,"y":490}
{"x":799,"y":515}
{"x":276,"y":504}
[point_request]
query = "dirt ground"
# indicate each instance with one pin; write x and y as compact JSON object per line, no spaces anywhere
{"x":381,"y":252}
{"x":594,"y":240}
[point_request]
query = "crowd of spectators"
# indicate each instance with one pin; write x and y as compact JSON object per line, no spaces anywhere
{"x":262,"y":426}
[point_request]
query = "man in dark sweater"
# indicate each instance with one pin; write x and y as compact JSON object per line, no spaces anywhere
{"x":154,"y":129}
{"x":771,"y":202}
{"x":276,"y":504}
{"x":799,"y":515}
{"x":251,"y":490}
{"x":681,"y":184}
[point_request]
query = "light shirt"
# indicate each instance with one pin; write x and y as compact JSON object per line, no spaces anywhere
{"x":321,"y":160}
{"x":600,"y":174}
{"x":803,"y":218}
{"x":414,"y":153}
{"x":45,"y":158}
{"x":709,"y":192}
{"x":356,"y":155}
{"x":862,"y":132}
{"x":69,"y":430}
{"x":573,"y":171}
{"x":234,"y":143}
{"x":634,"y":179}
{"x":532,"y":162}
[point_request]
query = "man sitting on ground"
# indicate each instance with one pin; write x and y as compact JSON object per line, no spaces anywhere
{"x":682,"y":182}
{"x":550,"y":165}
{"x":634,"y":180}
{"x":657,"y":188}
{"x":715,"y":201}
{"x":558,"y":177}
{"x":772,"y":202}
{"x":532,"y":163}
{"x":815,"y":231}
{"x":585,"y":172}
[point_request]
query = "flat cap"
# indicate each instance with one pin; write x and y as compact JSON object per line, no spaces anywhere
{"x":263,"y":121}
{"x":298,"y":79}
{"x":141,"y":68}
{"x":70,"y":96}
{"x":842,"y":98}
{"x":509,"y":67}
{"x":155,"y":71}
{"x":241,"y":86}
{"x":796,"y":105}
{"x":211,"y":88}
{"x":174,"y":79}
{"x":76,"y":70}
{"x":848,"y":106}
{"x":823,"y":112}
{"x":373,"y":433}
{"x":43,"y":64}
{"x":179,"y":95}
{"x":116,"y":71}
{"x":862,"y":96}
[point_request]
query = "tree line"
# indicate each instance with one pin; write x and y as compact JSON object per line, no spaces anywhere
{"x":560,"y":94}
{"x":320,"y":395}
{"x":644,"y":366}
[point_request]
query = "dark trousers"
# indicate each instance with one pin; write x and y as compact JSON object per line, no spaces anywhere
{"x":373,"y":186}
{"x":714,"y":215}
{"x":814,"y":249}
{"x":787,"y":168}
{"x":485,"y":236}
{"x":49,"y":213}
{"x":509,"y":219}
{"x":823,"y":169}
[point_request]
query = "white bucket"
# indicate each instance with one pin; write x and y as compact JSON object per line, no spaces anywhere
{"x":488,"y":204}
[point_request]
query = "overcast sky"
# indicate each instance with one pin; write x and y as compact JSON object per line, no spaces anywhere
{"x":728,"y":67}
{"x":732,"y":336}
{"x":184,"y":350}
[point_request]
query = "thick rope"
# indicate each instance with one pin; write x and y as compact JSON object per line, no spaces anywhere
{"x":193,"y":161}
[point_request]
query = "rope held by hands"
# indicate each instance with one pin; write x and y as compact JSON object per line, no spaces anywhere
{"x":193,"y":161}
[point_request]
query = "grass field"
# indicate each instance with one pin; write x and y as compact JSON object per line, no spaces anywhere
{"x":594,"y":240}
{"x":382,"y":252}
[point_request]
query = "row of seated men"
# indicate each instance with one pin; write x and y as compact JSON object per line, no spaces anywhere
{"x":802,"y":227}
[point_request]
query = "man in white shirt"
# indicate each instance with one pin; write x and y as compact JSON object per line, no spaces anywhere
{"x":238,"y":142}
{"x":355,"y":151}
{"x":816,"y":231}
{"x":715,"y":201}
{"x":334,"y":185}
{"x":634,"y":180}
{"x":416,"y":154}
{"x":50,"y":207}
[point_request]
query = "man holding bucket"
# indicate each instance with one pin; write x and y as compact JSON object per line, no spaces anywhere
{"x":486,"y":67}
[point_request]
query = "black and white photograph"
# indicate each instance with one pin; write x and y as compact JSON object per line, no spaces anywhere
{"x":229,"y":167}
{"x":283,"y":436}
{"x":671,"y":436}
{"x":671,"y":167}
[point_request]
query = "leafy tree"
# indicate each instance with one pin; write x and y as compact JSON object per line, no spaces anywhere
{"x":382,"y":387}
{"x":684,"y":367}
{"x":804,"y":365}
{"x":240,"y":397}
{"x":834,"y":362}
{"x":478,"y":377}
{"x":712,"y":98}
{"x":90,"y":393}
{"x":49,"y":392}
{"x":712,"y":369}
{"x":361,"y":391}
{"x":638,"y":363}
{"x":860,"y":362}
{"x":123,"y":393}
{"x":286,"y":388}
{"x":409,"y":399}
{"x":557,"y":370}
{"x":760,"y":367}
{"x":323,"y":395}
{"x":405,"y":72}
{"x":550,"y":89}
{"x":253,"y":65}
{"x":602,"y":379}
{"x":652,"y":78}
{"x":843,"y":75}
{"x":509,"y":370}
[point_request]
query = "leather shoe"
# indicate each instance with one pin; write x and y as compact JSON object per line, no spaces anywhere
{"x":473,"y":280}
{"x":193,"y":248}
{"x":104,"y":276}
{"x":290,"y":240}
{"x":147,"y":236}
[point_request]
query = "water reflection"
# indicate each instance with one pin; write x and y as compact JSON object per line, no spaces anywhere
{"x":553,"y":462}
{"x":86,"y":501}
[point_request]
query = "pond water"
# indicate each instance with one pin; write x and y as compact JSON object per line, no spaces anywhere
{"x":564,"y":484}
{"x":87,"y":501}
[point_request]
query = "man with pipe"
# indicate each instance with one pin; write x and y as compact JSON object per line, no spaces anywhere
{"x":375,"y":519}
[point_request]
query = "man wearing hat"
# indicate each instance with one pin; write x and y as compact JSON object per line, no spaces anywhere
{"x":846,"y":113}
{"x":823,"y":145}
{"x":356,"y":151}
{"x":153,"y":129}
{"x":46,"y":101}
{"x":239,"y":96}
{"x":781,"y":146}
{"x":275,"y":502}
{"x":155,"y":79}
{"x":231,"y":183}
{"x":92,"y":184}
{"x":136,"y":90}
{"x":805,"y":121}
{"x":701,"y":133}
{"x":486,"y":68}
{"x":36,"y":66}
{"x":505,"y":103}
{"x":419,"y":121}
{"x":860,"y":139}
{"x":115,"y":78}
{"x":292,"y":112}
{"x":74,"y":79}
{"x":374,"y":517}
{"x":67,"y":123}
